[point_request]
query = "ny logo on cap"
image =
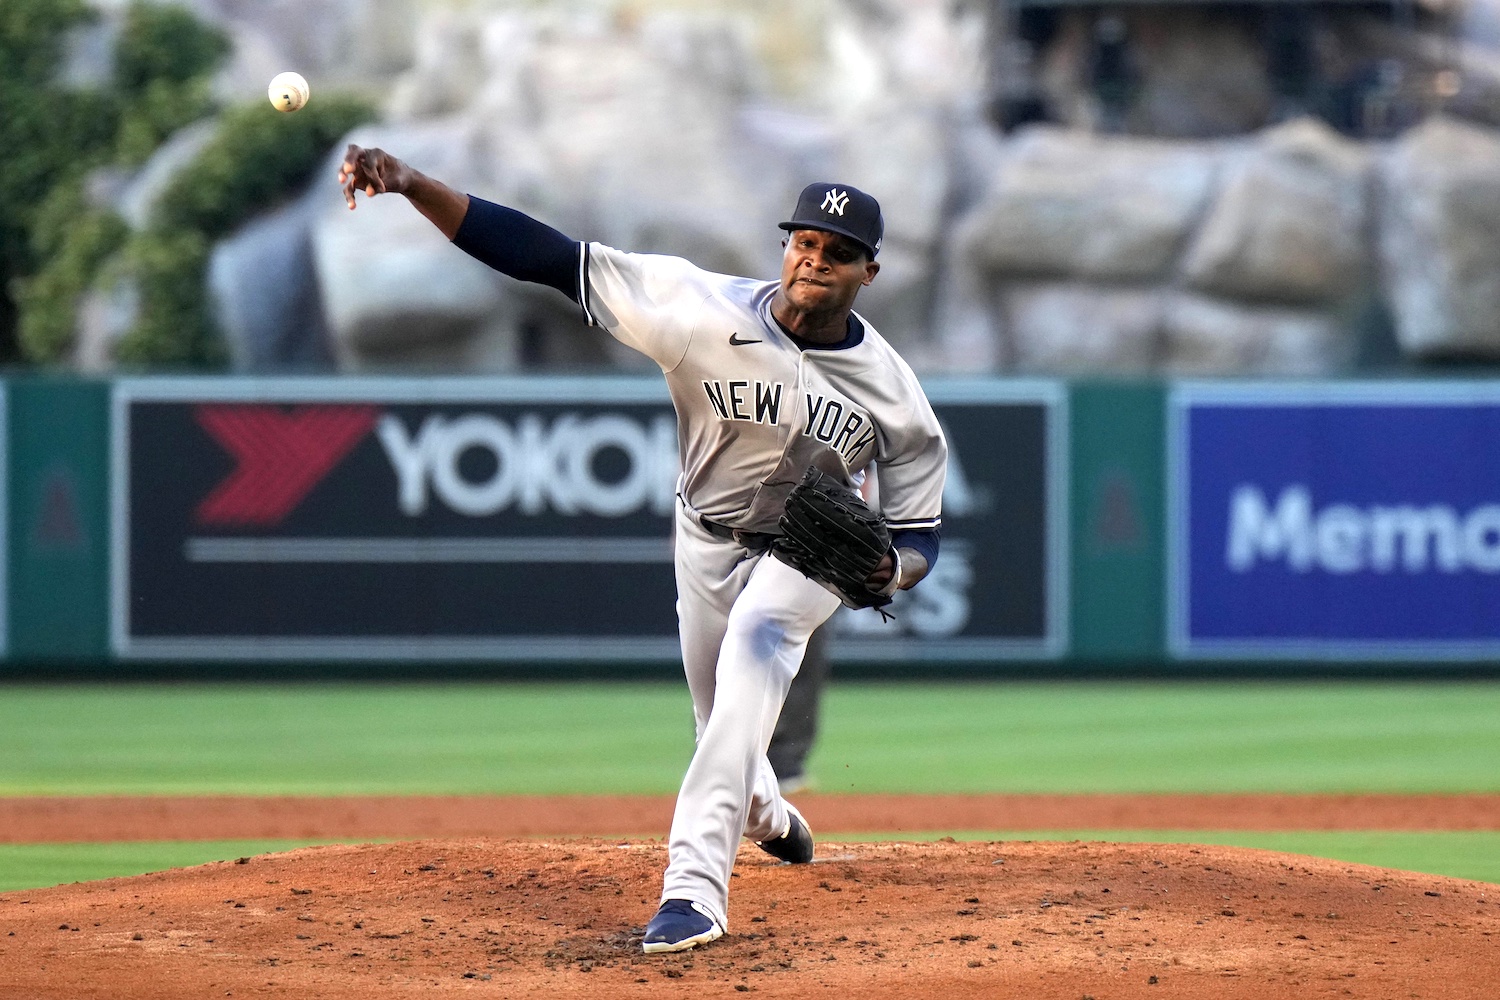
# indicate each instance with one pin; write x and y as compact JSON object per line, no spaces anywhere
{"x":834,"y":201}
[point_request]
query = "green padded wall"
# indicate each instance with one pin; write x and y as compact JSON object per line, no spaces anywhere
{"x":59,"y":525}
{"x":1118,"y":521}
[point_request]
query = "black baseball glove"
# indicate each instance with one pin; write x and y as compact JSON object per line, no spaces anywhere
{"x":830,"y":535}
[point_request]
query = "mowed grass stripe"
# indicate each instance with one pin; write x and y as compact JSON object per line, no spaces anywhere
{"x":635,"y":738}
{"x":348,"y":739}
{"x":1099,"y":737}
{"x":36,"y":866}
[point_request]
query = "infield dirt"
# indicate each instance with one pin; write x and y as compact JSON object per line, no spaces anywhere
{"x":940,"y":920}
{"x":564,"y":917}
{"x":83,"y":819}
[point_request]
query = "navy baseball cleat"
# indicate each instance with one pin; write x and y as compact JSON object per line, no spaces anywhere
{"x":796,"y":845}
{"x":679,"y":925}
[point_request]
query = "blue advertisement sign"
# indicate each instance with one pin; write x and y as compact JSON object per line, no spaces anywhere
{"x":1336,"y":522}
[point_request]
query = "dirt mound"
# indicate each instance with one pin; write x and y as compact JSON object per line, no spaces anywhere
{"x":943,"y":920}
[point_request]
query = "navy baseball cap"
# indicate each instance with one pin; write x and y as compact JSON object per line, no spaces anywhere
{"x":838,"y":208}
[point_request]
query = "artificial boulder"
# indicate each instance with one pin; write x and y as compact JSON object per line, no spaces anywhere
{"x":394,"y":289}
{"x":1289,"y":223}
{"x":1076,"y":205}
{"x":1067,"y":328}
{"x":1440,"y":240}
{"x":271,"y":332}
{"x":1205,"y":336}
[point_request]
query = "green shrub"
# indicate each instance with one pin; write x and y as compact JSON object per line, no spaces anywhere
{"x":48,"y":136}
{"x":165,"y":43}
{"x":74,"y":240}
{"x":256,"y":160}
{"x":31,"y":36}
{"x":163,"y":62}
{"x":161,"y":109}
{"x":174,"y":328}
{"x":51,"y":137}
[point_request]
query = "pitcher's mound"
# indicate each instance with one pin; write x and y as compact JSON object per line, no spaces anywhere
{"x":930,"y":920}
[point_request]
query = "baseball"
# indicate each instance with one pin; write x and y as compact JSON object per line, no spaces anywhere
{"x":288,"y":91}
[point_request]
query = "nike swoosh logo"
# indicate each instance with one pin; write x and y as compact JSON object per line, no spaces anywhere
{"x":735,"y":341}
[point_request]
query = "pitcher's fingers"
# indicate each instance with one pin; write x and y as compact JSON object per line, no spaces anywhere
{"x":370,"y":177}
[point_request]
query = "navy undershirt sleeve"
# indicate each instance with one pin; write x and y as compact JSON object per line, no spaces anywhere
{"x":514,"y":243}
{"x":925,"y":542}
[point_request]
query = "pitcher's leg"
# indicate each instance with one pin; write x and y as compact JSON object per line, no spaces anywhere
{"x":710,"y":575}
{"x":797,"y":728}
{"x":762,"y":647}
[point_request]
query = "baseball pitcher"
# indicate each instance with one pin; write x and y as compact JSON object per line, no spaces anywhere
{"x":784,"y":395}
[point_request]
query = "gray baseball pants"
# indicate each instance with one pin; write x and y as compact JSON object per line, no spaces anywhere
{"x":744,"y":619}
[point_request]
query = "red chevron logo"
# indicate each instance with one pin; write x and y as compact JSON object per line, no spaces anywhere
{"x":281,"y":454}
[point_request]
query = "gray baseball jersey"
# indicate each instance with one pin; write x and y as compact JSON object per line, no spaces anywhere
{"x":754,"y":410}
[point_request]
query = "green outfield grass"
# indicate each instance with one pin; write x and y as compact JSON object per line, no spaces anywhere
{"x":33,"y":866}
{"x":635,"y":738}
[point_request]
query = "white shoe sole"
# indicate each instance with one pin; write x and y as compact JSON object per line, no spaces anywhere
{"x":713,"y":933}
{"x":656,"y":947}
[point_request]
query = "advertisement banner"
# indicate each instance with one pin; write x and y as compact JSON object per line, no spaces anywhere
{"x":1356,"y":521}
{"x":999,"y":590}
{"x":515,"y":519}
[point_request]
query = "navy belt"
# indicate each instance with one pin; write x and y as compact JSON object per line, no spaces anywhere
{"x":755,"y":541}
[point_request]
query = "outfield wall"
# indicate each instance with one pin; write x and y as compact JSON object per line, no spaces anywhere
{"x":455,"y":525}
